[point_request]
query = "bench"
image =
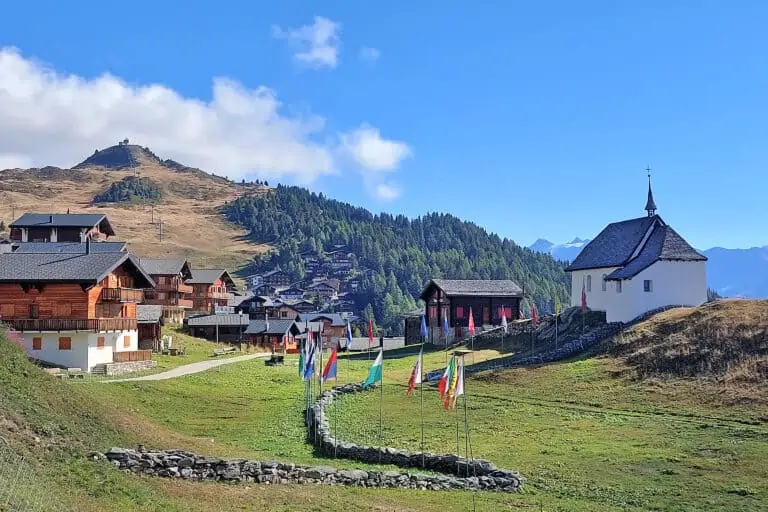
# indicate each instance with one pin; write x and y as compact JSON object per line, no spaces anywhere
{"x":223,"y":351}
{"x":274,"y":360}
{"x":75,"y":373}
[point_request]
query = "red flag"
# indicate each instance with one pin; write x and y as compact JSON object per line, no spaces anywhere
{"x":583,"y":297}
{"x":534,"y":315}
{"x":370,"y":332}
{"x":471,"y":323}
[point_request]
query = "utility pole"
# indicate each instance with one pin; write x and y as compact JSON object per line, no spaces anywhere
{"x":161,"y":230}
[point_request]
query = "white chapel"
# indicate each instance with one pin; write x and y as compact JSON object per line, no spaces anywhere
{"x":638,"y":265}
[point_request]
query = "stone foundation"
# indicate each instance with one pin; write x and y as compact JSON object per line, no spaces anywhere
{"x":129,"y":367}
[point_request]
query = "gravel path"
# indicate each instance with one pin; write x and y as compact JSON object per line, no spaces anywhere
{"x":191,"y":368}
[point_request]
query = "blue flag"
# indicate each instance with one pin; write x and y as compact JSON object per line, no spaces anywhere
{"x":309,"y":367}
{"x":424,"y":331}
{"x":445,"y":327}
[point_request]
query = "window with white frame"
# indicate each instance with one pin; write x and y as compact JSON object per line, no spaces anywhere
{"x":618,"y":286}
{"x":605,"y":283}
{"x":647,"y":285}
{"x":589,"y":283}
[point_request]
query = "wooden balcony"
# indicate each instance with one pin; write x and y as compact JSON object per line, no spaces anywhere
{"x":171,"y":301}
{"x":134,"y":355}
{"x":72,"y":324}
{"x":173,"y":286}
{"x":218,"y":295}
{"x":122,"y":295}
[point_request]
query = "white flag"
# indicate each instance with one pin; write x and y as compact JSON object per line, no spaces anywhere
{"x":504,"y":320}
{"x":459,"y":383}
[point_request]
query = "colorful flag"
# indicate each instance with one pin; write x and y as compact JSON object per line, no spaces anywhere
{"x":309,"y":364}
{"x":520,"y":315}
{"x":330,"y":367}
{"x":424,"y":331}
{"x":415,"y":374}
{"x":349,"y":335}
{"x":447,"y":376}
{"x":583,"y":296}
{"x":471,"y":323}
{"x":302,"y":348}
{"x":375,"y":374}
{"x":459,"y":385}
{"x":452,"y":383}
{"x":446,"y":329}
{"x":557,"y":305}
{"x":504,"y":320}
{"x":370,"y":332}
{"x":534,"y":314}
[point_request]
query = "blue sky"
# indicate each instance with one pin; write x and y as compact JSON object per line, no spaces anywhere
{"x":532,"y":119}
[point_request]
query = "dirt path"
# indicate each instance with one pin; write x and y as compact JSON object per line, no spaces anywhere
{"x":191,"y":368}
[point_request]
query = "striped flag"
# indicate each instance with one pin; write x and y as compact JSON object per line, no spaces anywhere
{"x":330,"y":367}
{"x":415,"y":373}
{"x":370,"y":332}
{"x":459,"y":385}
{"x":446,"y":378}
{"x":375,"y":374}
{"x":450,"y":398}
{"x":349,"y":335}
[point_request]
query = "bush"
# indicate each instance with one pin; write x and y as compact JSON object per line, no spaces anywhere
{"x":130,"y":190}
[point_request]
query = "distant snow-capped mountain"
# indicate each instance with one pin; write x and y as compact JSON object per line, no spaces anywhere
{"x":562,"y":252}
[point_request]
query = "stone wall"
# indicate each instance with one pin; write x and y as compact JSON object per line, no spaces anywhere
{"x":132,"y":366}
{"x":320,"y":434}
{"x":186,"y":465}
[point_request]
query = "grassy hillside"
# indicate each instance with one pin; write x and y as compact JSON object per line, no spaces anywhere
{"x":192,"y":224}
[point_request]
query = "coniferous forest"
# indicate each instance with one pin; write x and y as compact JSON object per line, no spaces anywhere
{"x":395,"y":256}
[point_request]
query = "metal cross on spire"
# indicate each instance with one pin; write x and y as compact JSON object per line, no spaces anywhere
{"x":650,"y":205}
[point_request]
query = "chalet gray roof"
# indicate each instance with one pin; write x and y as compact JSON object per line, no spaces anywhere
{"x":237,"y":300}
{"x":148,"y":314}
{"x":208,"y":275}
{"x":68,"y":247}
{"x":220,"y":319}
{"x":615,"y":244}
{"x":67,"y":268}
{"x":476,"y":287}
{"x":276,"y":326}
{"x":310,"y":326}
{"x":664,"y":244}
{"x":167,"y":267}
{"x":337,"y":320}
{"x":62,"y":220}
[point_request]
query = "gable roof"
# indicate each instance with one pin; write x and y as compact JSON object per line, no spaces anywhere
{"x":220,"y":319}
{"x":664,"y":244}
{"x":337,"y":320}
{"x":331,"y":283}
{"x":164,"y":267}
{"x":209,"y":276}
{"x":68,"y":247}
{"x":615,"y":244}
{"x":68,"y":268}
{"x":275,"y":327}
{"x":64,"y":220}
{"x":148,"y":314}
{"x":474,"y":287}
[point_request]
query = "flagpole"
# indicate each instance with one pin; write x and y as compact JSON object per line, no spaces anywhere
{"x":421,"y":392}
{"x":335,"y":419}
{"x":556,"y":315}
{"x":381,"y":401}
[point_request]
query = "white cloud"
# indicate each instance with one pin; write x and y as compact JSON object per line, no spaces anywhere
{"x":47,"y":118}
{"x":387,"y":191}
{"x":369,"y":54}
{"x":372,"y":152}
{"x":316,"y":45}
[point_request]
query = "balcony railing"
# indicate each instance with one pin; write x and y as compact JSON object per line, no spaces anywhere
{"x":172,"y":301}
{"x":122,"y":295}
{"x":72,"y":324}
{"x":218,"y":295}
{"x":134,"y":355}
{"x":173,"y":286}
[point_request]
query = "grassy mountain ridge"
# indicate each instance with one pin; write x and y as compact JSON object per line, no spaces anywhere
{"x":398,"y":255}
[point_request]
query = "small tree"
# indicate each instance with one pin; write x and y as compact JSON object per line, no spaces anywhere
{"x":2,"y":226}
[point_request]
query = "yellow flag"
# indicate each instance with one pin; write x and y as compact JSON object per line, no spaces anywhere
{"x":557,"y":305}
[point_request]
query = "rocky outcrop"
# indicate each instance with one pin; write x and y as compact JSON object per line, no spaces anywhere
{"x":186,"y":465}
{"x":320,"y":434}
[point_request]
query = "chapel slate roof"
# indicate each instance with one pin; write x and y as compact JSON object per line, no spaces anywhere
{"x":220,"y":319}
{"x":664,"y":244}
{"x":208,"y":275}
{"x":275,"y":327}
{"x":614,"y":246}
{"x":476,"y":287}
{"x":148,"y":314}
{"x":166,"y":267}
{"x":67,"y":268}
{"x":67,"y":247}
{"x":63,"y":220}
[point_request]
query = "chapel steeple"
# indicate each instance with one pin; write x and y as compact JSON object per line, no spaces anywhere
{"x":650,"y":205}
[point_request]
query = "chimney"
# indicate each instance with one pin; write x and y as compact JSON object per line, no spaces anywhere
{"x":88,"y":245}
{"x":50,"y":219}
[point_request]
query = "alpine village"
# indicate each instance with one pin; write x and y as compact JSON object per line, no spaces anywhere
{"x":166,"y":331}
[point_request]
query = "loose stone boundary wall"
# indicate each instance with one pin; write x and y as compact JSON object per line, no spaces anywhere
{"x":186,"y":465}
{"x":473,"y":470}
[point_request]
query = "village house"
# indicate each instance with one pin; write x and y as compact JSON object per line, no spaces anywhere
{"x":276,"y":278}
{"x":211,"y":287}
{"x":264,"y":290}
{"x":276,"y":335}
{"x":255,"y":306}
{"x":170,"y":291}
{"x":301,"y":305}
{"x":290,"y":292}
{"x":74,"y":310}
{"x":283,"y":311}
{"x":68,"y":247}
{"x":334,"y":326}
{"x":638,"y":265}
{"x":327,"y":289}
{"x":150,"y":323}
{"x":60,"y":227}
{"x":219,"y":328}
{"x":489,"y":301}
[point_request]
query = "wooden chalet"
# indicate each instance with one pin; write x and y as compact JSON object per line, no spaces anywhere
{"x":290,"y":292}
{"x":74,"y":310}
{"x":229,"y":327}
{"x":489,"y":300}
{"x":150,"y":323}
{"x":327,"y":289}
{"x":276,"y":278}
{"x":276,"y":335}
{"x":211,"y":287}
{"x":60,"y":227}
{"x":171,"y":291}
{"x":334,"y":326}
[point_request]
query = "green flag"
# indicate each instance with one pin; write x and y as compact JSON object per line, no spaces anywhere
{"x":374,"y":375}
{"x":301,"y":360}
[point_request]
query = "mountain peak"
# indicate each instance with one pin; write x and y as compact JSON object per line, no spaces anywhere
{"x":120,"y":156}
{"x":541,"y":245}
{"x":577,"y":240}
